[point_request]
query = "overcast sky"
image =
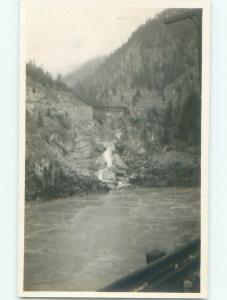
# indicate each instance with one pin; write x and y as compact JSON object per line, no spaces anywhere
{"x":61,"y":36}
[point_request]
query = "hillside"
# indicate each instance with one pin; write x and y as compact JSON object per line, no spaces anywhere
{"x":83,"y":72}
{"x":137,"y":121}
{"x":60,"y":140}
{"x":147,"y":93}
{"x":157,"y":72}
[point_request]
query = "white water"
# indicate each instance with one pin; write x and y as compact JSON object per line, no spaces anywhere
{"x":105,"y":174}
{"x":108,"y":156}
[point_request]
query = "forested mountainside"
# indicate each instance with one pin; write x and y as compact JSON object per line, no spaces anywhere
{"x":134,"y":120}
{"x":60,"y":138}
{"x":156,"y":69}
{"x":83,"y":72}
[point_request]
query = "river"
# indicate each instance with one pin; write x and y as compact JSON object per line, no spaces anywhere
{"x":84,"y":243}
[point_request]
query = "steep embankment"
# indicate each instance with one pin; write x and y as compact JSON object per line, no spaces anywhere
{"x":147,"y":100}
{"x":142,"y":126}
{"x":61,"y":143}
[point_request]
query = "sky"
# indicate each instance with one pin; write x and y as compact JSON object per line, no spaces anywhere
{"x":61,"y":35}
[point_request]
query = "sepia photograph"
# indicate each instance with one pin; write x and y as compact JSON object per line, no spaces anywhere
{"x":113,"y":175}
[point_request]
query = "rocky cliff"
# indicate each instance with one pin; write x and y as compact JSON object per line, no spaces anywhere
{"x":155,"y":76}
{"x":61,"y":141}
{"x":137,"y":121}
{"x":147,"y":93}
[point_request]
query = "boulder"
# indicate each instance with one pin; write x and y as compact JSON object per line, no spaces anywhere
{"x":106,"y":175}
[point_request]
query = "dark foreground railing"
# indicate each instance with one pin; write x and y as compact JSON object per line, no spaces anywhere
{"x":166,"y":274}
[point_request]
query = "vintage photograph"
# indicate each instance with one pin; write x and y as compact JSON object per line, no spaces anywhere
{"x":113,"y":162}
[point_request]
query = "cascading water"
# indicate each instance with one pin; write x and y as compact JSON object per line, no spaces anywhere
{"x":107,"y":156}
{"x":114,"y":172}
{"x":105,"y":174}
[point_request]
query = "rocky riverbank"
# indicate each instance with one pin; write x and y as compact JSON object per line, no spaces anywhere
{"x":48,"y":180}
{"x":69,"y":151}
{"x":154,"y":173}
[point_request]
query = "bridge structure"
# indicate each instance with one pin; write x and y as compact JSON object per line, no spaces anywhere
{"x":101,"y":113}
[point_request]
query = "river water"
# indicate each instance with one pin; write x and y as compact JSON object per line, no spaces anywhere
{"x":85,"y":243}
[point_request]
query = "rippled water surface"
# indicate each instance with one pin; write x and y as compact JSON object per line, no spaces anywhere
{"x":85,"y":243}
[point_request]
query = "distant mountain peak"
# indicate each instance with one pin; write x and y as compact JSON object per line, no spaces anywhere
{"x":84,"y":71}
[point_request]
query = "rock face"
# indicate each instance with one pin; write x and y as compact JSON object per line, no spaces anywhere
{"x":141,"y":127}
{"x":61,"y":146}
{"x":153,"y":81}
{"x":106,"y":175}
{"x":156,"y":173}
{"x":66,"y":155}
{"x":49,"y":179}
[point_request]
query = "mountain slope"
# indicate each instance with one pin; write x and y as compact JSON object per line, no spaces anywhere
{"x":83,"y":72}
{"x":156,"y":70}
{"x":141,"y":107}
{"x":61,"y":148}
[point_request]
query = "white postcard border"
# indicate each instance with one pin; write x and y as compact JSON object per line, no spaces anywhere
{"x":204,"y":4}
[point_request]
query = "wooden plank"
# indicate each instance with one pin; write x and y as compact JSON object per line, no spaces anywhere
{"x":153,"y":255}
{"x":139,"y":277}
{"x":174,"y":281}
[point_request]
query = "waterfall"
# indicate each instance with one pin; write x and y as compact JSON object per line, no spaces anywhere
{"x":113,"y":164}
{"x":100,"y":175}
{"x":107,"y":156}
{"x":106,"y":174}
